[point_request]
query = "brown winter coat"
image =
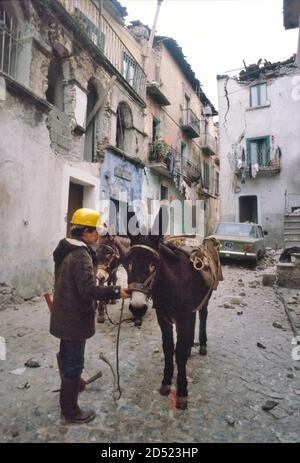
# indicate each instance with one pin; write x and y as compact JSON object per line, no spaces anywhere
{"x":73,"y":311}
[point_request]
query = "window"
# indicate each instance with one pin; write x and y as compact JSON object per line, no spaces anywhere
{"x":184,"y":156}
{"x":206,"y":179}
{"x":258,"y":151}
{"x":9,"y":40}
{"x":90,"y":134}
{"x":186,"y":108}
{"x":55,"y":91}
{"x":163,"y":193}
{"x":129,"y":68}
{"x":258,"y":95}
{"x":217,"y":186}
{"x":155,"y":128}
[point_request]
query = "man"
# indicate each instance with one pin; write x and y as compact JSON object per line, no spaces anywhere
{"x":73,"y":311}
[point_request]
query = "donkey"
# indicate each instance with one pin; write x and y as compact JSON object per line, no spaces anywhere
{"x":154,"y":269}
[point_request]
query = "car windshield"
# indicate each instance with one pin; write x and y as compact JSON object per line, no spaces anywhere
{"x":236,"y":229}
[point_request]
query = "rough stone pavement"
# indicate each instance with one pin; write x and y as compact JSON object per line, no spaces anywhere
{"x":227,"y":389}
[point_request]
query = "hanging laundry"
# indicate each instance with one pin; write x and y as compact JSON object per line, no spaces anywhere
{"x":254,"y":170}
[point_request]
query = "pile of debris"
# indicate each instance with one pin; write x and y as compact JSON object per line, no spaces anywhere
{"x":8,"y":296}
{"x":267,"y":70}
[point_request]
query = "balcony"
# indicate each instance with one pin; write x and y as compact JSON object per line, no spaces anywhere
{"x":87,"y":15}
{"x":190,"y":124}
{"x":155,"y":92}
{"x":270,"y":168}
{"x":160,"y":157}
{"x":190,"y":170}
{"x":210,"y":146}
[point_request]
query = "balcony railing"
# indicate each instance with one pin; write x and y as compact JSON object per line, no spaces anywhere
{"x":162,"y":158}
{"x":190,"y":170}
{"x":190,"y":124}
{"x":210,"y":145}
{"x":88,"y":15}
{"x":269,"y":163}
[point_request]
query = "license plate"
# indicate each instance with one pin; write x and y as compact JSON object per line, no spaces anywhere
{"x":228,"y":246}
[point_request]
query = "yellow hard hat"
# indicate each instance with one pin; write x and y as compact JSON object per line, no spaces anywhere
{"x":87,"y":217}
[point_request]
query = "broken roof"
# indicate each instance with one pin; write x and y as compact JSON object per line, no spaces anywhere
{"x":267,"y":70}
{"x":177,"y":53}
{"x":120,"y":9}
{"x":291,"y":12}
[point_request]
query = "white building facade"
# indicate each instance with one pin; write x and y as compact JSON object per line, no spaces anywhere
{"x":259,"y":129}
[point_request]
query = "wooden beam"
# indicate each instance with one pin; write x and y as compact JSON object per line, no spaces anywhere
{"x":100,"y":101}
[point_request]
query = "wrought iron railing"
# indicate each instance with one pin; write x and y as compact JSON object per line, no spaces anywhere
{"x":268,"y":161}
{"x":191,"y":120}
{"x":190,"y":170}
{"x":88,"y":15}
{"x":9,"y":44}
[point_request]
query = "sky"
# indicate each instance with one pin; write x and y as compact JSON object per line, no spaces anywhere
{"x":217,"y":35}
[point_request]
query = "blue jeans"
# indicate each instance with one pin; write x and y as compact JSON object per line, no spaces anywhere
{"x":72,"y":357}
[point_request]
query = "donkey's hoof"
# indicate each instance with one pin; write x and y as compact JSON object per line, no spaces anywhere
{"x":138,"y":322}
{"x":165,"y":390}
{"x":100,"y":319}
{"x":203,"y":350}
{"x":181,"y":403}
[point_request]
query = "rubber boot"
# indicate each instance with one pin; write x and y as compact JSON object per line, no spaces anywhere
{"x":68,"y":398}
{"x":82,"y":384}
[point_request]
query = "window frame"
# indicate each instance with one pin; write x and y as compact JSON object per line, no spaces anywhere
{"x":206,"y":176}
{"x":259,"y":95}
{"x":267,"y":138}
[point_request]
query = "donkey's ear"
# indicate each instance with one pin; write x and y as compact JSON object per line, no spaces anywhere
{"x":133,"y":227}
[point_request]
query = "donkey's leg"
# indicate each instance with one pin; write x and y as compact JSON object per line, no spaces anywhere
{"x":112,"y":280}
{"x":168,"y":348}
{"x":191,"y":333}
{"x":202,"y":331}
{"x":181,"y":352}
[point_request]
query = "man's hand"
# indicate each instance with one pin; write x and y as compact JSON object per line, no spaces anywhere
{"x":125,"y":293}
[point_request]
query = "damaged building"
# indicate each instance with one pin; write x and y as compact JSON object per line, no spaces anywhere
{"x":72,"y":125}
{"x":260,"y":148}
{"x":183,"y":162}
{"x":76,"y":127}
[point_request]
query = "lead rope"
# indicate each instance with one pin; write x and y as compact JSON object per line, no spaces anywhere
{"x":116,"y":376}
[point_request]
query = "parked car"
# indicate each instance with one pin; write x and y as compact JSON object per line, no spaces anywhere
{"x":240,"y":241}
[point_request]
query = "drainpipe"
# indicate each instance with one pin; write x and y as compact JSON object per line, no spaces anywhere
{"x":151,"y":39}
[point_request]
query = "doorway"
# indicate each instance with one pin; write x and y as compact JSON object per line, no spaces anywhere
{"x":248,"y":210}
{"x":75,"y":202}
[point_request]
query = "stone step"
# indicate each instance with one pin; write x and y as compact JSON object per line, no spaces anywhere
{"x":291,"y":232}
{"x":291,"y":218}
{"x":292,"y":226}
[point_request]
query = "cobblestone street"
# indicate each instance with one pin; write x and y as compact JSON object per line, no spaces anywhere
{"x":249,"y":362}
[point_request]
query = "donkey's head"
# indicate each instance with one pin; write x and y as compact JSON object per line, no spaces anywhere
{"x":108,"y":257}
{"x":142,"y":263}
